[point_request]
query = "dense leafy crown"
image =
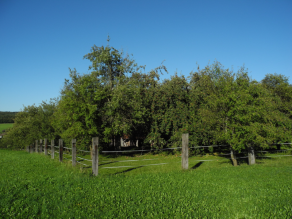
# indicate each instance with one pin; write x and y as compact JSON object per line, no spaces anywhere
{"x":116,"y":99}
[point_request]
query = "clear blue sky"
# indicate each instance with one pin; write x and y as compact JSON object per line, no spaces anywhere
{"x":40,"y":40}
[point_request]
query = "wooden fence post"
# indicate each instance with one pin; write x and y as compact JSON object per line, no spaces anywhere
{"x":27,"y":149}
{"x":233,"y":157}
{"x":41,"y":145}
{"x":251,"y":155}
{"x":60,"y":150}
{"x":46,"y":146}
{"x":185,"y":151}
{"x":36,"y":146}
{"x":73,"y":152}
{"x":95,"y":156}
{"x":122,"y":142}
{"x":53,"y":149}
{"x":30,"y":148}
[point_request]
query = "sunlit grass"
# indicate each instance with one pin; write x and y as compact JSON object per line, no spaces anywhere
{"x":32,"y":185}
{"x":5,"y":126}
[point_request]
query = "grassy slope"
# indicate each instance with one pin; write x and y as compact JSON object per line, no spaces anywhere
{"x":31,"y":186}
{"x":4,"y":126}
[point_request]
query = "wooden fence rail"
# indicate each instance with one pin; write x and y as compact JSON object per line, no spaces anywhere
{"x":95,"y":142}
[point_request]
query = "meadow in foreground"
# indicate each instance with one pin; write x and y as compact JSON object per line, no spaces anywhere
{"x":34,"y":186}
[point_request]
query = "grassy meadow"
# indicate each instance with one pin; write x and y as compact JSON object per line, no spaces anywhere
{"x":4,"y":126}
{"x":35,"y":186}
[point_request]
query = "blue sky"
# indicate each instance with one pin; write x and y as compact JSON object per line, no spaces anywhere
{"x":40,"y":40}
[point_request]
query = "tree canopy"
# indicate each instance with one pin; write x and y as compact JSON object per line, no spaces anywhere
{"x":214,"y":104}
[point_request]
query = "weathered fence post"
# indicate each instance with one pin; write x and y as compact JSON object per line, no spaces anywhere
{"x":53,"y":149}
{"x":95,"y":156}
{"x":60,"y":150}
{"x":36,"y":146}
{"x":41,"y":145}
{"x":46,"y":146}
{"x":73,"y":152}
{"x":27,"y":149}
{"x":251,"y":155}
{"x":185,"y":151}
{"x":233,"y":157}
{"x":30,"y":148}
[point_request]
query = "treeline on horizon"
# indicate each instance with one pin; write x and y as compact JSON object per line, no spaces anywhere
{"x":7,"y":117}
{"x":117,"y":98}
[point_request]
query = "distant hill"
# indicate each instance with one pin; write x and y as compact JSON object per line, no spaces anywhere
{"x":7,"y":117}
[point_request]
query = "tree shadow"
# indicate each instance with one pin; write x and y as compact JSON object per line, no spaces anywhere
{"x":128,"y":170}
{"x":197,"y":165}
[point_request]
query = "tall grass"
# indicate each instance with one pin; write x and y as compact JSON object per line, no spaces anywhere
{"x":34,"y":186}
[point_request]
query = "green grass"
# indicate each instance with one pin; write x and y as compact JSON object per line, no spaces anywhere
{"x":4,"y":126}
{"x":34,"y":186}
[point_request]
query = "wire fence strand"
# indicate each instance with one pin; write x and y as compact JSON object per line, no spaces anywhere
{"x":84,"y":151}
{"x":82,"y":163}
{"x":83,"y":158}
{"x":68,"y":148}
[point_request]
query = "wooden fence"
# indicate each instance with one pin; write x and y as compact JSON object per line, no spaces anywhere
{"x":37,"y":147}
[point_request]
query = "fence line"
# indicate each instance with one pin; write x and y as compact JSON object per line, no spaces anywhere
{"x":134,"y":166}
{"x":275,"y":150}
{"x":130,"y":160}
{"x":140,"y":150}
{"x":67,"y":154}
{"x":68,"y":148}
{"x":84,"y":151}
{"x":83,"y":158}
{"x":184,"y":153}
{"x":275,"y":156}
{"x":82,"y":163}
{"x":162,"y":149}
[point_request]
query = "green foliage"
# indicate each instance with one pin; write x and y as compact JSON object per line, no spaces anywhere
{"x":272,"y":81}
{"x":169,"y":112}
{"x":109,"y":64}
{"x":80,"y":109}
{"x":32,"y":186}
{"x":236,"y":111}
{"x":214,"y":105}
{"x":31,"y":123}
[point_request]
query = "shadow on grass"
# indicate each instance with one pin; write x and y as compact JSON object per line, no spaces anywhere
{"x":197,"y":165}
{"x":107,"y":163}
{"x":128,"y":170}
